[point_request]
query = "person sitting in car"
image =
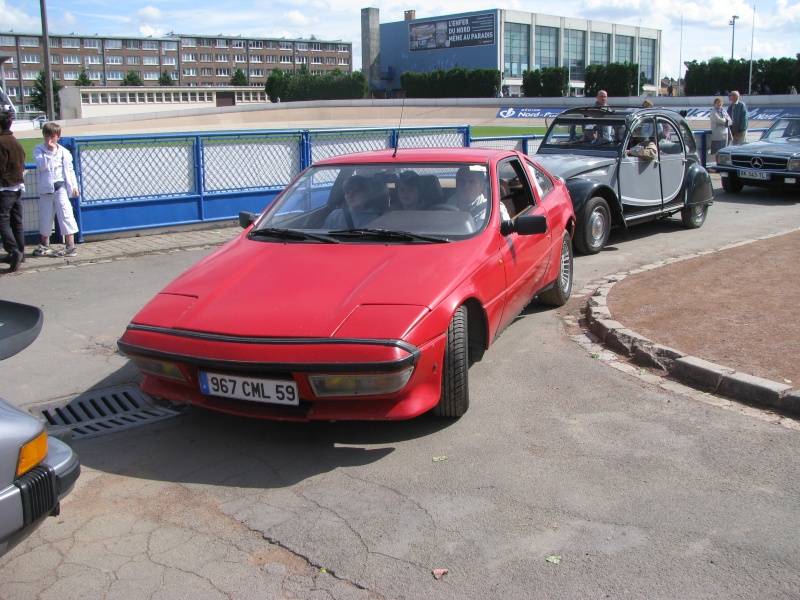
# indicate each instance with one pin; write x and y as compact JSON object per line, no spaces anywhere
{"x":470,"y":195}
{"x":409,"y":192}
{"x":644,"y":148}
{"x":357,"y":211}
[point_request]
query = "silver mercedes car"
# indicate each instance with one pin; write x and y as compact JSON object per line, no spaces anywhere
{"x":773,"y":161}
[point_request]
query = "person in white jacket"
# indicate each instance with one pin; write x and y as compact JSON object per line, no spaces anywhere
{"x":55,"y":177}
{"x":720,"y":127}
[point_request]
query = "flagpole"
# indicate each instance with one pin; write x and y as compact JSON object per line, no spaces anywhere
{"x":752,"y":38}
{"x":680,"y":60}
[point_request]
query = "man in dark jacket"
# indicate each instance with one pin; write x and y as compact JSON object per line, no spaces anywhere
{"x":738,"y":112}
{"x":12,"y":165}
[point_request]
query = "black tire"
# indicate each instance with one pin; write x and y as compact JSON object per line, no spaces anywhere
{"x":454,"y":400}
{"x":562,"y":287}
{"x":732,"y":184}
{"x":594,"y":226}
{"x":694,"y":216}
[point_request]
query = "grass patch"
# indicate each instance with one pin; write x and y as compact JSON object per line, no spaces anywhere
{"x":503,"y":131}
{"x":28,"y":144}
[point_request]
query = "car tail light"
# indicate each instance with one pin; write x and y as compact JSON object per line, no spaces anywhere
{"x":32,"y":453}
{"x":328,"y":385}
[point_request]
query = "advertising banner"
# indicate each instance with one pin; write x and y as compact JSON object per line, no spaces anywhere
{"x":477,"y":30}
{"x":770,"y":113}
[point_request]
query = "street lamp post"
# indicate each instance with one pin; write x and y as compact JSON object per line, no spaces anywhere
{"x":732,"y":23}
{"x":48,"y":74}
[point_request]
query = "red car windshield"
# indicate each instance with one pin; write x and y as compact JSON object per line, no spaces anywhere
{"x":440,"y":202}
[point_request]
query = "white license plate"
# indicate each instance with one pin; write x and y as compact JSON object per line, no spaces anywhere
{"x":753,"y":174}
{"x":270,"y":391}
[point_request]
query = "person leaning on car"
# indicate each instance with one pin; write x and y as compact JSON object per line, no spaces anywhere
{"x":720,"y":124}
{"x":738,"y":113}
{"x":645,"y":147}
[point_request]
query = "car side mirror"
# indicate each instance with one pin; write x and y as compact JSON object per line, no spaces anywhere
{"x":525,"y":225}
{"x":246,"y":219}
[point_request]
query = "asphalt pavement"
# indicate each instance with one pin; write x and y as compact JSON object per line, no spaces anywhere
{"x":600,"y":325}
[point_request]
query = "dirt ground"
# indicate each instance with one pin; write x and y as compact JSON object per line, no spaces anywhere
{"x":737,"y":308}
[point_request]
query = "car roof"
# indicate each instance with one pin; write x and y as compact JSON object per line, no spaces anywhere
{"x":596,"y":112}
{"x":409,"y":155}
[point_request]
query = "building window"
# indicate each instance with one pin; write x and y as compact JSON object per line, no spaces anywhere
{"x":600,"y":49}
{"x":301,"y":60}
{"x":95,"y":75}
{"x":189,"y":57}
{"x":331,"y":47}
{"x":272,"y":45}
{"x":221,"y":43}
{"x":286,"y":45}
{"x":343,"y":61}
{"x":316,"y":47}
{"x":301,"y":46}
{"x":237,"y":44}
{"x":12,"y":91}
{"x":54,"y":42}
{"x":574,"y":53}
{"x":271,"y":59}
{"x":55,"y":59}
{"x":70,"y":75}
{"x":30,"y":75}
{"x":150,"y":60}
{"x":133,"y":60}
{"x":647,"y":60}
{"x":149,"y":45}
{"x":206,"y":57}
{"x":205,"y":43}
{"x":330,"y":60}
{"x":29,"y":90}
{"x":11,"y":73}
{"x":7,"y":40}
{"x":31,"y":59}
{"x":344,"y":48}
{"x":206,"y":72}
{"x":113,"y":44}
{"x":189,"y":72}
{"x":72,"y":59}
{"x":169,"y":60}
{"x":256,"y":72}
{"x":256,"y":58}
{"x":115,"y":75}
{"x":240,"y":58}
{"x":170,"y":46}
{"x":515,"y":49}
{"x":316,"y":60}
{"x":131,"y":44}
{"x":623,"y":49}
{"x":92,"y":59}
{"x":222,"y":58}
{"x":188,"y":42}
{"x":70,"y":43}
{"x":32,"y":42}
{"x":223,"y":72}
{"x":113,"y":60}
{"x":286,"y":58}
{"x":546,"y":47}
{"x":94,"y":44}
{"x":256,"y":45}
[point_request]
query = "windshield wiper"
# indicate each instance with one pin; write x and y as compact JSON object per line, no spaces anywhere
{"x":291,"y":234}
{"x":387,"y":234}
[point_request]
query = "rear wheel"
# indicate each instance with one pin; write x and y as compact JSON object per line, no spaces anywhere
{"x":732,"y":184}
{"x":559,"y":293}
{"x":594,"y":226}
{"x":454,"y":400}
{"x":694,"y":216}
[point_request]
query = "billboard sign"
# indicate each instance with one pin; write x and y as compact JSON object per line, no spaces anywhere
{"x":477,"y":30}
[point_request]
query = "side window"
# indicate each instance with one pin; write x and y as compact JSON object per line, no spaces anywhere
{"x":515,"y":192}
{"x":669,"y":141}
{"x":539,"y":180}
{"x":688,"y":137}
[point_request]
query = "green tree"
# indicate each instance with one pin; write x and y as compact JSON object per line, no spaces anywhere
{"x":132,"y":79}
{"x":83,"y":79}
{"x":239,"y":78}
{"x":165,"y":79}
{"x":39,"y":95}
{"x":555,"y":82}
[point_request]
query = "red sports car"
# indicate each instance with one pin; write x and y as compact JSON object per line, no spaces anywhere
{"x":365,"y":291}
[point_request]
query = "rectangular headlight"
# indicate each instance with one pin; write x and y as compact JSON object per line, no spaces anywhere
{"x":159,"y":368}
{"x":794,"y":164}
{"x":723,"y":158}
{"x":330,"y":385}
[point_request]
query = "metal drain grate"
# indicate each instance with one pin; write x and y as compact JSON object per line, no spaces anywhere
{"x":107,"y":411}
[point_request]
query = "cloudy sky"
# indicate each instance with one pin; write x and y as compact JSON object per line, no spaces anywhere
{"x":705,"y":30}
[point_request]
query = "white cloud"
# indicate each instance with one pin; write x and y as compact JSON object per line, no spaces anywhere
{"x":150,"y":14}
{"x":297,"y":18}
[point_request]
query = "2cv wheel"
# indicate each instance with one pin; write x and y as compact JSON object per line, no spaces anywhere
{"x":594,"y":226}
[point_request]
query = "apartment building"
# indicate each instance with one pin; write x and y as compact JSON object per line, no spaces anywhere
{"x":191,"y":61}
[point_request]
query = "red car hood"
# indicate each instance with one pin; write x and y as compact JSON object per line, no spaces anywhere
{"x":255,"y":288}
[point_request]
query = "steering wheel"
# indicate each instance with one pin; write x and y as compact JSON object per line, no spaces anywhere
{"x":444,"y":207}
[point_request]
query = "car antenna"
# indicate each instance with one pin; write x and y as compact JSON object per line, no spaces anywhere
{"x":399,"y":126}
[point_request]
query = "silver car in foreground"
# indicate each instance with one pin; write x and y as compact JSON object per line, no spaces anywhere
{"x":36,"y":471}
{"x":773,"y":161}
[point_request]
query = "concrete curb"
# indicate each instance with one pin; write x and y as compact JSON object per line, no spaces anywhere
{"x":691,"y":371}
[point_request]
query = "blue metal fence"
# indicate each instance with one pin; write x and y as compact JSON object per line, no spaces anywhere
{"x":138,"y":182}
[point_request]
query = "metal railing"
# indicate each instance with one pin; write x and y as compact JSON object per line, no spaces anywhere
{"x":139,"y":182}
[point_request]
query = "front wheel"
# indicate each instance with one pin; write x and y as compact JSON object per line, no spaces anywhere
{"x":454,"y":400}
{"x":562,"y":287}
{"x":694,"y":216}
{"x":732,"y":184}
{"x":594,"y":226}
